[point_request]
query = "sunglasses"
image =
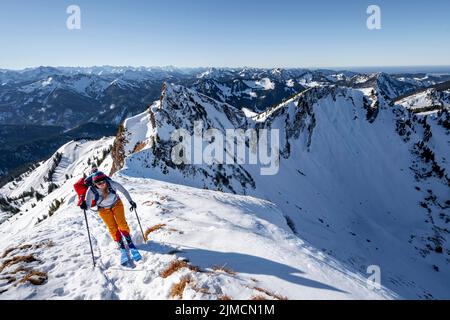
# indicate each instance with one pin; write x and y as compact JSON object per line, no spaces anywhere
{"x":100,"y":183}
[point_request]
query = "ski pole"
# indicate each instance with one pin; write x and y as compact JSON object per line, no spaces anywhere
{"x":89,"y":235}
{"x":137,"y":216}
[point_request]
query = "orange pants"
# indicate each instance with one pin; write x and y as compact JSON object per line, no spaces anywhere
{"x":115,"y":220}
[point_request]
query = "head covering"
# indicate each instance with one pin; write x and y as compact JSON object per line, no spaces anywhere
{"x":94,"y":168}
{"x":98,"y":176}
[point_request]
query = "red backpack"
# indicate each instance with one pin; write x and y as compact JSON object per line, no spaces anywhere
{"x":81,"y":189}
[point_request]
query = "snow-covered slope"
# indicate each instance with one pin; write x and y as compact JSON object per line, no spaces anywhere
{"x":59,"y":169}
{"x":428,"y":101}
{"x":238,"y":247}
{"x":359,"y":179}
{"x":26,"y":190}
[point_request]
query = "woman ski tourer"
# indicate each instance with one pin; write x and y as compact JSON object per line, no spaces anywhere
{"x":102,"y":192}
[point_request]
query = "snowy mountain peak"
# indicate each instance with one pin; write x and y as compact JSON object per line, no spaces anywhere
{"x":183,"y":106}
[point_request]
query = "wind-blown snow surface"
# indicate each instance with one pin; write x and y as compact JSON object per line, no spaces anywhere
{"x":246,"y":235}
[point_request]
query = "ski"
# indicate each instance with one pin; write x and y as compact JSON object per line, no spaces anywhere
{"x":124,"y":260}
{"x":135,"y":254}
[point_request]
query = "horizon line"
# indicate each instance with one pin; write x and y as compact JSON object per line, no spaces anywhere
{"x":332,"y":68}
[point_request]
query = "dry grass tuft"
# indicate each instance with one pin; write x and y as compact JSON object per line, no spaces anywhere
{"x":139,"y":146}
{"x":35,"y":277}
{"x":258,"y":297}
{"x":17,"y":259}
{"x":194,"y":268}
{"x":224,"y":297}
{"x":20,"y":269}
{"x":176,"y":265}
{"x":23,"y":271}
{"x":178,"y":288}
{"x":271,"y":294}
{"x":153,"y":229}
{"x":173,"y":267}
{"x":22,"y":247}
{"x":224,"y":269}
{"x":8,"y":251}
{"x":48,"y":243}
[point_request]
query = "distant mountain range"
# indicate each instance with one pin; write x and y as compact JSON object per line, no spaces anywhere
{"x":69,"y":97}
{"x":45,"y":101}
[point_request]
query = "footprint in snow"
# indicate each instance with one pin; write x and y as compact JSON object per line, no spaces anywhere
{"x":59,"y":292}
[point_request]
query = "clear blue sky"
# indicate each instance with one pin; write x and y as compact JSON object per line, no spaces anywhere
{"x":260,"y":33}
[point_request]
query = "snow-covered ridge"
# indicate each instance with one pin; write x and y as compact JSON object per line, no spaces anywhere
{"x":428,"y":101}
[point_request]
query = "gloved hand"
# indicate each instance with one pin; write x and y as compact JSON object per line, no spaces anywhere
{"x":83,"y":205}
{"x":133,"y":205}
